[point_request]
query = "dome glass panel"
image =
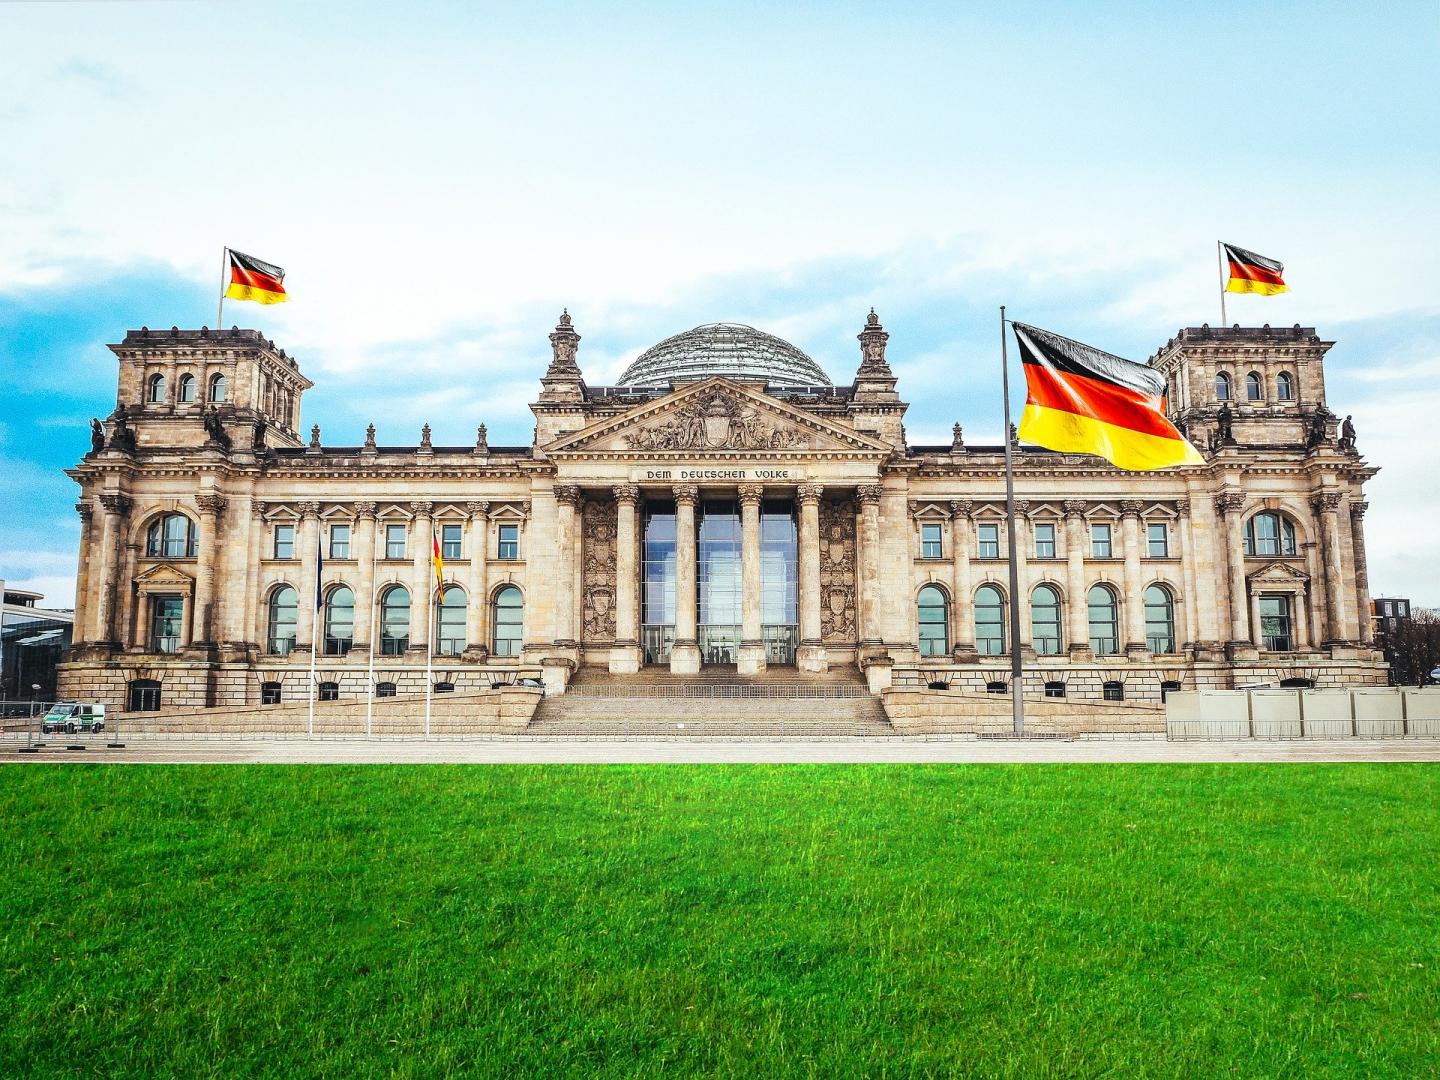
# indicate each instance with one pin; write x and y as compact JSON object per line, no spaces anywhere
{"x":731,"y":349}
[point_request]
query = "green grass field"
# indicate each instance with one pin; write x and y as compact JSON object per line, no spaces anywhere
{"x":758,"y":921}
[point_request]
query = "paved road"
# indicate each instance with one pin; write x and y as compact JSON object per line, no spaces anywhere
{"x":554,"y":751}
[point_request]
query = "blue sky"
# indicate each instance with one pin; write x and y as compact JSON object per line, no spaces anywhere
{"x":439,"y":183}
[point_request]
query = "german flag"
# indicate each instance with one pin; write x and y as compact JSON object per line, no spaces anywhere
{"x":1084,"y":401}
{"x":437,"y":559}
{"x":252,"y":279}
{"x":1251,"y":273}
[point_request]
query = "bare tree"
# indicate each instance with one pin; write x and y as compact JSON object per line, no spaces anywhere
{"x":1413,"y":648}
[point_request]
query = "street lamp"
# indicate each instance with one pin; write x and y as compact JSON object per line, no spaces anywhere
{"x":34,"y":693}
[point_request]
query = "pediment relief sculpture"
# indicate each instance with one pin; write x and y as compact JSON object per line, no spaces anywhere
{"x":1278,"y":573}
{"x":716,"y":420}
{"x":165,"y":575}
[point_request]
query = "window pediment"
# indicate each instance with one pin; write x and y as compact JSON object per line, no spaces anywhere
{"x":1278,"y":574}
{"x":164,"y":578}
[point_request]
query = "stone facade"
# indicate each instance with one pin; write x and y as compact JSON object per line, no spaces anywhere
{"x":204,"y":516}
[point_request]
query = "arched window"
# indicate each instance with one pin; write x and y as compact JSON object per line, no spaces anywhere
{"x":989,"y":621}
{"x":1254,"y":387}
{"x":173,"y":536}
{"x":508,"y":621}
{"x":395,"y":621}
{"x":339,"y":621}
{"x":385,"y":689}
{"x":185,"y":389}
{"x":450,"y":622}
{"x":1104,"y":630}
{"x":143,"y":696}
{"x":217,"y":388}
{"x":934,"y":622}
{"x":329,"y":691}
{"x":1284,"y":387}
{"x":1113,"y":691}
{"x":1222,"y":386}
{"x":1159,"y":619}
{"x":284,"y":606}
{"x":1045,"y":620}
{"x":1269,"y":533}
{"x":1055,"y":688}
{"x":156,"y":392}
{"x":270,"y":693}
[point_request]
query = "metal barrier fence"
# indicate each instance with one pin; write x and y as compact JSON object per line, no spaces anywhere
{"x":798,"y":691}
{"x":1338,"y":713}
{"x":66,"y":727}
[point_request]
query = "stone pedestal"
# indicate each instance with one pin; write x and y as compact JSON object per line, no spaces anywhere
{"x":812,"y":658}
{"x":625,"y":659}
{"x":685,"y":659}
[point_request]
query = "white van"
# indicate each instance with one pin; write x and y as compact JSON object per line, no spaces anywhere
{"x":73,"y":718}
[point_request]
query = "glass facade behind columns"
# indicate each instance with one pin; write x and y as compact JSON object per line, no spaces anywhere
{"x":657,"y":612}
{"x":718,"y":573}
{"x":779,"y":602}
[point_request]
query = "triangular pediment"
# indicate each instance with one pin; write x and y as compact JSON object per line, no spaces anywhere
{"x":716,"y":416}
{"x":1277,"y":573}
{"x":164,"y":574}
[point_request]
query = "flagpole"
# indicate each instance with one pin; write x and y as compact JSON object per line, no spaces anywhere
{"x":370,"y":669}
{"x":429,"y":653}
{"x":224,"y":265}
{"x":315,"y":622}
{"x":1017,"y":686}
{"x":1220,"y":264}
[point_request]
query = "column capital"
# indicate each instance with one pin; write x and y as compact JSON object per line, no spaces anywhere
{"x":1327,"y":502}
{"x":567,"y":494}
{"x":422,"y":508}
{"x":961,"y":508}
{"x":478,"y":509}
{"x":1228,"y":502}
{"x":1182,"y":507}
{"x":1022,"y":507}
{"x":85,"y":510}
{"x":1131,"y":508}
{"x":308,"y":509}
{"x":751,"y":494}
{"x":365,"y":509}
{"x":626,"y":493}
{"x":115,"y":504}
{"x":686,"y":494}
{"x":809,"y":493}
{"x":259,"y":507}
{"x":210,"y":504}
{"x":1074,"y":508}
{"x":1358,"y":508}
{"x":869,"y":494}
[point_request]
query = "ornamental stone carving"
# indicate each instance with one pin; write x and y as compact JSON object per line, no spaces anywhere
{"x":837,"y":572}
{"x":869,"y":494}
{"x":599,"y":537}
{"x":809,"y":493}
{"x":259,"y":507}
{"x":1358,"y":508}
{"x":1131,"y":508}
{"x":1074,"y":508}
{"x":422,"y":508}
{"x":686,"y":494}
{"x":210,"y":504}
{"x":751,"y":494}
{"x":364,"y":509}
{"x":718,"y":420}
{"x":115,"y":504}
{"x":1228,"y":502}
{"x":567,"y":494}
{"x":1325,"y":502}
{"x":1182,"y":507}
{"x":308,"y":509}
{"x":480,"y":509}
{"x":961,"y":508}
{"x":626,"y":493}
{"x":85,"y":510}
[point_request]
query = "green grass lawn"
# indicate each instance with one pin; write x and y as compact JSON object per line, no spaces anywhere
{"x":759,"y":921}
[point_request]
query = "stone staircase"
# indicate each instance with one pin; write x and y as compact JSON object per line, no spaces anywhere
{"x":718,"y":702}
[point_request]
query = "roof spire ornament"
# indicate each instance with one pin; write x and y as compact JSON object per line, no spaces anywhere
{"x":874,"y":382}
{"x":562,"y":381}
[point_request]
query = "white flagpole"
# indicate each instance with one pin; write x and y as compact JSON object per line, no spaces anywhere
{"x":224,"y":265}
{"x":1017,"y":686}
{"x":429,"y":652}
{"x":374,"y":620}
{"x":1220,"y":261}
{"x":315,"y":623}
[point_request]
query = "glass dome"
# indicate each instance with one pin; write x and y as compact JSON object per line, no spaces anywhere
{"x":724,"y":349}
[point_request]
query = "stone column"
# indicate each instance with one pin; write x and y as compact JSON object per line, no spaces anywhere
{"x":1077,"y":606}
{"x":810,"y":655}
{"x":306,"y":615}
{"x":1325,"y":506}
{"x":82,"y":573}
{"x":685,"y":654}
{"x":871,"y":637}
{"x":567,"y":507}
{"x":254,"y":629}
{"x":1228,"y":506}
{"x":477,"y":611}
{"x":751,"y":658}
{"x":1190,"y":601}
{"x":363,"y":549}
{"x":422,"y":609}
{"x":1362,"y":571}
{"x":1135,"y":644}
{"x":625,"y":653}
{"x":962,"y":592}
{"x":212,"y":511}
{"x":116,"y":507}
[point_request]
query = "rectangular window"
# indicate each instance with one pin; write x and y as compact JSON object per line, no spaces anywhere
{"x":339,"y":541}
{"x":394,"y":541}
{"x":1100,"y":547}
{"x":284,"y":541}
{"x":450,"y":541}
{"x":509,"y":542}
{"x":1044,"y":541}
{"x":1157,"y":537}
{"x":1275,"y":623}
{"x":929,"y":541}
{"x":165,"y":615}
{"x":989,"y":535}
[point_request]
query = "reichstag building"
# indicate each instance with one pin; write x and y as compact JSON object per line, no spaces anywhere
{"x":726,"y":506}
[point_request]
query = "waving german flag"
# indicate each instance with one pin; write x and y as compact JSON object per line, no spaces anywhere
{"x":1251,"y":273}
{"x":252,"y":279}
{"x":1084,"y":401}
